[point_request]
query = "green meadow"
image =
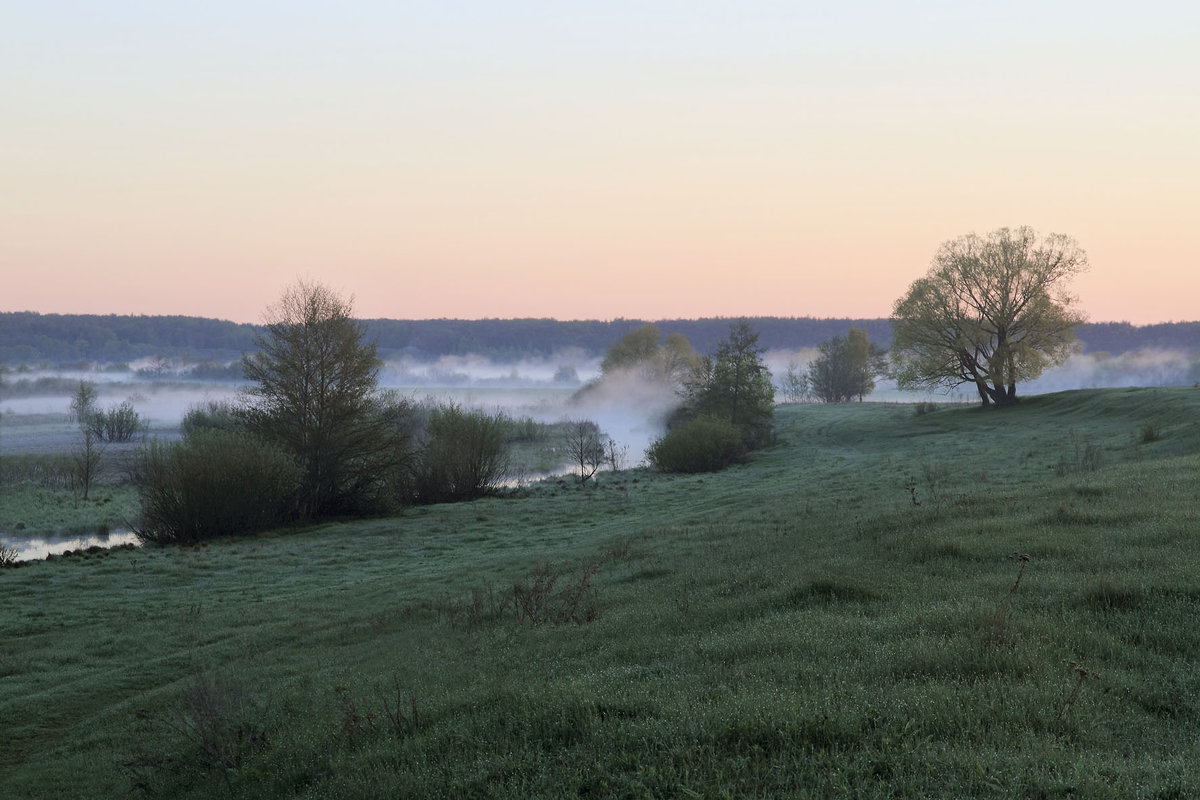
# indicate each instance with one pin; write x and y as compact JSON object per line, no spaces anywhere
{"x":885,"y":603}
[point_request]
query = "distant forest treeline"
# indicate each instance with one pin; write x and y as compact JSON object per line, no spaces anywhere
{"x":31,"y":338}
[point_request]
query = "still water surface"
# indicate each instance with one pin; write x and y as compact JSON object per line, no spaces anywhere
{"x":32,"y":548}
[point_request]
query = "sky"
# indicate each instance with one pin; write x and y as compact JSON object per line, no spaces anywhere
{"x":583,"y":160}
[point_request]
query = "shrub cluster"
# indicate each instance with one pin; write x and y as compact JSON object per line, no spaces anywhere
{"x":210,"y":415}
{"x":704,"y":444}
{"x":223,"y":478}
{"x":463,"y":456}
{"x":214,"y":483}
{"x":312,"y":437}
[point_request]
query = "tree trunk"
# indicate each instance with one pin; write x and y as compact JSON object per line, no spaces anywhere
{"x":981,"y":387}
{"x":1005,"y":395}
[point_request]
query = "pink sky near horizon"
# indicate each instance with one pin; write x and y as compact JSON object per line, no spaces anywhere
{"x":661,"y":161}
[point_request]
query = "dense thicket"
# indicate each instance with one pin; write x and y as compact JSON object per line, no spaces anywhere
{"x":214,"y":483}
{"x":461,"y":457}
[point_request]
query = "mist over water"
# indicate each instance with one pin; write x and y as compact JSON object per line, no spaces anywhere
{"x":476,"y":370}
{"x":160,"y":403}
{"x":626,"y":405}
{"x":630,"y":410}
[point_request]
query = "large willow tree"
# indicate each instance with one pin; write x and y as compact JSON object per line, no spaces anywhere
{"x":992,"y":311}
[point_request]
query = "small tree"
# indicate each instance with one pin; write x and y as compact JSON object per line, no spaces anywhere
{"x":991,"y":311}
{"x":585,"y":447}
{"x":566,"y":374}
{"x":120,"y":423}
{"x":634,"y":348}
{"x":212,"y":415}
{"x":677,"y":359}
{"x":795,"y":382}
{"x":846,"y":368}
{"x":83,"y":403}
{"x":89,"y":448}
{"x":615,"y":454}
{"x":640,"y":351}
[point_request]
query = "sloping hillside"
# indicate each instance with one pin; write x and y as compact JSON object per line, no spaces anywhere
{"x":959,"y":603}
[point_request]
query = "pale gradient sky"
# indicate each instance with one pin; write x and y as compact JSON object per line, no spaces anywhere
{"x":587,"y":160}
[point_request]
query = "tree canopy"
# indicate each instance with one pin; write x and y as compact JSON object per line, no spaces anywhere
{"x":671,"y":361}
{"x":992,"y":311}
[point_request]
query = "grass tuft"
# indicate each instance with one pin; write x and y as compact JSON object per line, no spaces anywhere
{"x":828,"y":590}
{"x":1108,"y":595}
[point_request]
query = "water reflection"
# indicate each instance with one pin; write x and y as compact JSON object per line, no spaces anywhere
{"x":32,"y":548}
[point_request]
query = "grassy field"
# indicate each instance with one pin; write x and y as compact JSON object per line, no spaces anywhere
{"x":39,"y":493}
{"x":885,"y":604}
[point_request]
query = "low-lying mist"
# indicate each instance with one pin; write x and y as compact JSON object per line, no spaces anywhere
{"x":1080,"y":371}
{"x":627,"y":405}
{"x":1135,"y":368}
{"x":631,"y":410}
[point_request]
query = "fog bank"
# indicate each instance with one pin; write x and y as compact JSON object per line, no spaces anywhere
{"x":628,"y":406}
{"x":1081,"y":371}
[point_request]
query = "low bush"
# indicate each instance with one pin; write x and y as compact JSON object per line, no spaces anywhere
{"x":121,"y":423}
{"x":213,"y":732}
{"x":546,"y":595}
{"x":1084,"y":456}
{"x":524,"y":429}
{"x":211,"y":415}
{"x":214,"y":483}
{"x":704,"y":444}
